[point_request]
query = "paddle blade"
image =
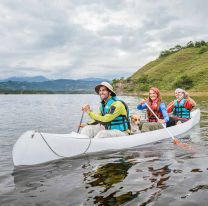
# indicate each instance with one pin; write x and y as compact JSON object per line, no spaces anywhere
{"x":176,"y":141}
{"x":183,"y":145}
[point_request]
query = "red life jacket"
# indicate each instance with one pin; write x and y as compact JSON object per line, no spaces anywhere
{"x":156,"y":110}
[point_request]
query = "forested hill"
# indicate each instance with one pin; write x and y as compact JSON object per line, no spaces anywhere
{"x":185,"y":67}
{"x":50,"y":86}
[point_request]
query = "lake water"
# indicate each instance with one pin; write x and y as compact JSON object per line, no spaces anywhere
{"x":154,"y":174}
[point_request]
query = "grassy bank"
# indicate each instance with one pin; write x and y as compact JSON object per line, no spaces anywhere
{"x":186,"y":68}
{"x":164,"y":93}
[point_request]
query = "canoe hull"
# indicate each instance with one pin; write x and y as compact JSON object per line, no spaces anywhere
{"x":35,"y":148}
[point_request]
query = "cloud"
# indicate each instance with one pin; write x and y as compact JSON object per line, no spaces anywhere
{"x":85,"y":38}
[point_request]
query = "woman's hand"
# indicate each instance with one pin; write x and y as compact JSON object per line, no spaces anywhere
{"x":187,"y":96}
{"x":190,"y":99}
{"x":161,"y":121}
{"x":143,"y":101}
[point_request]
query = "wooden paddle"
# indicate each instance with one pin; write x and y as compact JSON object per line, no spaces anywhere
{"x":175,"y":140}
{"x":80,"y":122}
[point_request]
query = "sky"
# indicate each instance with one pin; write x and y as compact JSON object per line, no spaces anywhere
{"x":76,"y":39}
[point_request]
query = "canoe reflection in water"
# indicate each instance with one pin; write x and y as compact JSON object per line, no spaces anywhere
{"x":110,"y":184}
{"x":136,"y":177}
{"x":99,"y":180}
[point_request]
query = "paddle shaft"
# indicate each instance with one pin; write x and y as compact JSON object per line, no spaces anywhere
{"x":80,"y":122}
{"x":161,"y":123}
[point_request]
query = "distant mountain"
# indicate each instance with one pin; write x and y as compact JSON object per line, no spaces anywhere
{"x":94,"y":79}
{"x":26,"y":79}
{"x":54,"y":86}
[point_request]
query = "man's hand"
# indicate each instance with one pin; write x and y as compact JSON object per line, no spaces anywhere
{"x":82,"y":125}
{"x":86,"y":108}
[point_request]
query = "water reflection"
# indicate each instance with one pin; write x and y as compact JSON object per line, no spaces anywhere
{"x":109,"y":184}
{"x":136,"y":177}
{"x":108,"y":175}
{"x":26,"y":176}
{"x":199,"y":187}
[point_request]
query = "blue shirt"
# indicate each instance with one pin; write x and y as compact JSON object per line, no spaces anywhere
{"x":162,"y":109}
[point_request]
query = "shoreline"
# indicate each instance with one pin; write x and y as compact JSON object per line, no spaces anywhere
{"x":164,"y":93}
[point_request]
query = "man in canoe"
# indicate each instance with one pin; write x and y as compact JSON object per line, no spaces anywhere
{"x":154,"y":102}
{"x":113,"y":117}
{"x":180,"y":107}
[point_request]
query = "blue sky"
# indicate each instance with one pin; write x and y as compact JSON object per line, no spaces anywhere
{"x":93,"y":38}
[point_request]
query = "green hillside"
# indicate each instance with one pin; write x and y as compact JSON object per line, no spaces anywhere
{"x":185,"y":67}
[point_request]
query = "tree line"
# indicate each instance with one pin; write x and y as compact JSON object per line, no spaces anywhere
{"x":197,"y":44}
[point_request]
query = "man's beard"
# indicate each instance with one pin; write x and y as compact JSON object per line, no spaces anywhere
{"x":104,"y":98}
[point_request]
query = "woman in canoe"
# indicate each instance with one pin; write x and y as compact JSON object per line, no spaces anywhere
{"x":180,"y":107}
{"x":154,"y":101}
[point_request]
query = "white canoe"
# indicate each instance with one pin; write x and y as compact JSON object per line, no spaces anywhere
{"x":36,"y":148}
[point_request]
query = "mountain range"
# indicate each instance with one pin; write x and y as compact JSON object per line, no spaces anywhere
{"x":41,"y":84}
{"x":26,"y":79}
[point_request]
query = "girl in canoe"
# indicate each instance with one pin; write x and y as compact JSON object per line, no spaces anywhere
{"x":154,"y":101}
{"x":180,"y":107}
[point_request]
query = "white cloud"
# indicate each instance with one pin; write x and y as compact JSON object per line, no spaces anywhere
{"x":84,"y":38}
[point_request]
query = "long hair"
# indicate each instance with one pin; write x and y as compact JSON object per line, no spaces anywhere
{"x":157,"y":91}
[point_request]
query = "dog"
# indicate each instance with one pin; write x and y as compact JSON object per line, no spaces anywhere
{"x":135,"y":121}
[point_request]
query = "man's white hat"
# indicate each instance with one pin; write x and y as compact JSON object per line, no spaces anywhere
{"x":107,"y":85}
